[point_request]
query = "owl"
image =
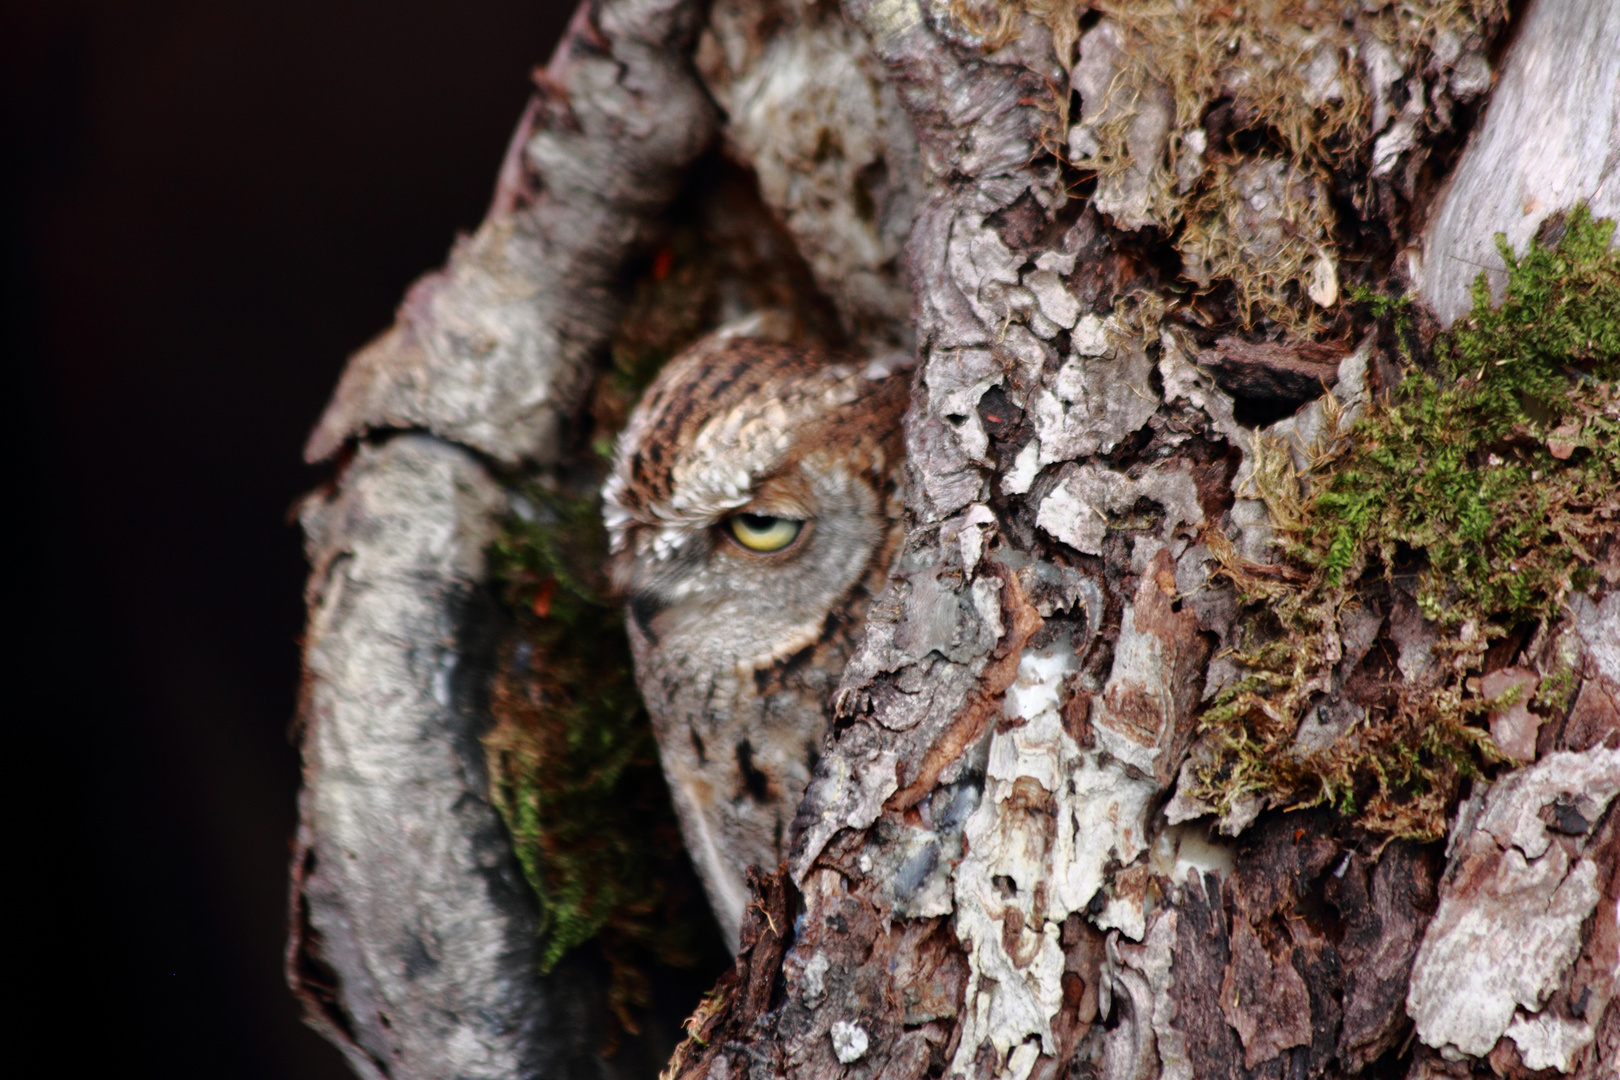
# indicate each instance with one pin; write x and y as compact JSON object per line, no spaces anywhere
{"x":752,"y":510}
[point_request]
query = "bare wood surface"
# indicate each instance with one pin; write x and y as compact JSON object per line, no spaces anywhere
{"x":1550,"y":138}
{"x":410,"y":903}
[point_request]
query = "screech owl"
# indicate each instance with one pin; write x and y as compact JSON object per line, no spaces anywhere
{"x":752,"y":510}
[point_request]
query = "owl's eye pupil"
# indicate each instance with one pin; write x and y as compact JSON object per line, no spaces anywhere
{"x":761,"y":532}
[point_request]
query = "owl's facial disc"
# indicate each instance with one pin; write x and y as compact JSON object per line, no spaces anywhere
{"x":756,"y":584}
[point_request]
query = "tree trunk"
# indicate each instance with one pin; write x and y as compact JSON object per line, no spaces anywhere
{"x":1121,"y":242}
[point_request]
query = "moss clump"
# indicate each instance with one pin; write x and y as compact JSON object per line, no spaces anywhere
{"x":1505,"y":474}
{"x":573,"y":765}
{"x":1492,"y":482}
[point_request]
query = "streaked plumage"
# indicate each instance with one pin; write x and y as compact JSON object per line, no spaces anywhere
{"x":740,"y":630}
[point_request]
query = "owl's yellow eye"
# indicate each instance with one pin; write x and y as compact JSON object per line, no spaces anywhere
{"x":758,"y":532}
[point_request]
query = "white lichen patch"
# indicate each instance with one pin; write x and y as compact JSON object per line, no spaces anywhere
{"x":849,"y":1041}
{"x":1052,"y":818}
{"x":1026,"y":466}
{"x":812,"y":979}
{"x":1079,"y":509}
{"x":1549,"y":1042}
{"x":1512,"y":905}
{"x":1124,"y":136}
{"x":1183,"y":850}
{"x":1056,"y":302}
{"x":986,"y":270}
{"x":1102,"y":394}
{"x":1074,"y":510}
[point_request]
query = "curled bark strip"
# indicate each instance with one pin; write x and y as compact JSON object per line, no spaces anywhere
{"x":807,"y":107}
{"x":495,"y":350}
{"x":1021,"y":620}
{"x":402,"y":874}
{"x":1267,"y":371}
{"x":1145,"y":716}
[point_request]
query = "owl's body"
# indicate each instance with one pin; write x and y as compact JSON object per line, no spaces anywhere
{"x":752,"y":510}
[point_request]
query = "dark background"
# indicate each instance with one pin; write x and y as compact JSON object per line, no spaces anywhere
{"x":207,"y":205}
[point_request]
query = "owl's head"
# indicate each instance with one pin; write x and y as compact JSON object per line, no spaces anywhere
{"x":752,"y":510}
{"x":751,"y":491}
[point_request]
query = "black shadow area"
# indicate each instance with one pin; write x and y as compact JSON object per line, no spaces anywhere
{"x":206,"y":205}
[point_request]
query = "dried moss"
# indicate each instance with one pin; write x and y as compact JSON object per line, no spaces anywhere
{"x":1243,"y":89}
{"x":1287,"y":71}
{"x":1493,"y":482}
{"x":1266,"y":226}
{"x":1288,"y":65}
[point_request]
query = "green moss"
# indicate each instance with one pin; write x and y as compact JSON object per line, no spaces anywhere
{"x":1464,"y":470}
{"x":573,"y":765}
{"x":1495,"y":479}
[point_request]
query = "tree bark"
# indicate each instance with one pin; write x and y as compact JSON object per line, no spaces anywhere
{"x":1004,"y":866}
{"x":413,"y":934}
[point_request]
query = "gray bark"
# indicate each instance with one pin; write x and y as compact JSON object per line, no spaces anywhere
{"x":995,"y":872}
{"x":403,"y":876}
